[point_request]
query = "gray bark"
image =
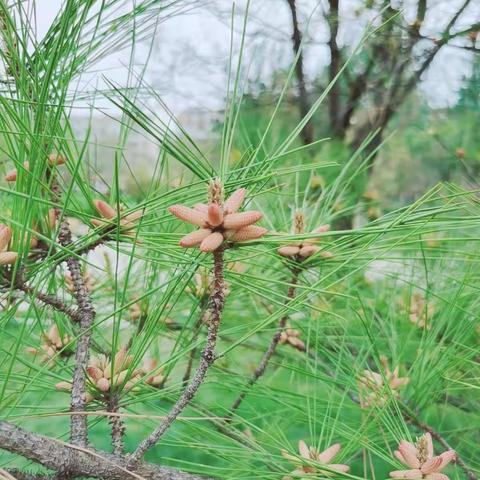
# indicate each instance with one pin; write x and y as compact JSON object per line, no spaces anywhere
{"x":68,"y":460}
{"x":86,"y":312}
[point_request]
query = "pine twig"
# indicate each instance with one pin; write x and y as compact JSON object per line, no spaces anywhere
{"x":262,"y":366}
{"x":86,"y":312}
{"x":70,"y":461}
{"x":217,"y":301}
{"x":47,"y":299}
{"x":78,"y":427}
{"x":118,"y":427}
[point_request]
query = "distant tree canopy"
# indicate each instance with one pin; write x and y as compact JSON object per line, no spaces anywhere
{"x":376,"y":82}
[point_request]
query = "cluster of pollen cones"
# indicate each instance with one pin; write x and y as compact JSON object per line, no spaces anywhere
{"x":309,"y":461}
{"x":306,"y":248}
{"x":375,"y":388}
{"x":7,"y":255}
{"x":52,"y":344}
{"x":219,"y":222}
{"x":109,"y":214}
{"x":420,"y":459}
{"x":291,"y":337}
{"x":103,"y":377}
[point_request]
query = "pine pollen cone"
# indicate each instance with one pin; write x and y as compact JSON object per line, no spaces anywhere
{"x":53,"y":160}
{"x":218,"y":223}
{"x":7,"y":257}
{"x":306,"y":248}
{"x":109,"y":214}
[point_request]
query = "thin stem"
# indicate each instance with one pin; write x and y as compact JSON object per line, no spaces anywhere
{"x":262,"y":366}
{"x":48,"y":299}
{"x":217,"y":301}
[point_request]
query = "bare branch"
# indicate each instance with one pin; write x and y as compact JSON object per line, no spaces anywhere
{"x":47,"y":299}
{"x":334,"y":68}
{"x":303,"y":103}
{"x":193,"y":351}
{"x":116,"y":422}
{"x":454,"y":19}
{"x":77,"y":461}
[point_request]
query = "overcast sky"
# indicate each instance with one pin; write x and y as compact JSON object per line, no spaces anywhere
{"x":191,"y":52}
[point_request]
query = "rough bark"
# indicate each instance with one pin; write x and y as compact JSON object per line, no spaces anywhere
{"x":72,"y":461}
{"x":78,"y":430}
{"x":20,"y":475}
{"x":117,"y":425}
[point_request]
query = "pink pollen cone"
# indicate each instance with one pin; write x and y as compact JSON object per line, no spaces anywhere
{"x":309,"y":250}
{"x":95,"y":373}
{"x":289,"y":251}
{"x":215,"y":215}
{"x":201,"y":207}
{"x":195,"y":238}
{"x":103,"y":384}
{"x":5,"y":237}
{"x":104,"y":209}
{"x":189,"y":215}
{"x":327,"y":455}
{"x":212,"y":242}
{"x":235,"y":221}
{"x":235,"y":201}
{"x":407,"y":474}
{"x":8,"y":258}
{"x":251,"y":232}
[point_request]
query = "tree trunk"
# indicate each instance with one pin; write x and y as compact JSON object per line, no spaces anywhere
{"x":303,"y":102}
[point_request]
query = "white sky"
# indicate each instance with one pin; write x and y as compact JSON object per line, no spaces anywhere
{"x":191,"y":52}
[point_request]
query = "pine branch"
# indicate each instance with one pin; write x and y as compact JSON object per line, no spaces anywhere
{"x":217,"y":301}
{"x":47,"y":299}
{"x":118,"y":427}
{"x":72,"y":461}
{"x":260,"y":370}
{"x":86,"y":312}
